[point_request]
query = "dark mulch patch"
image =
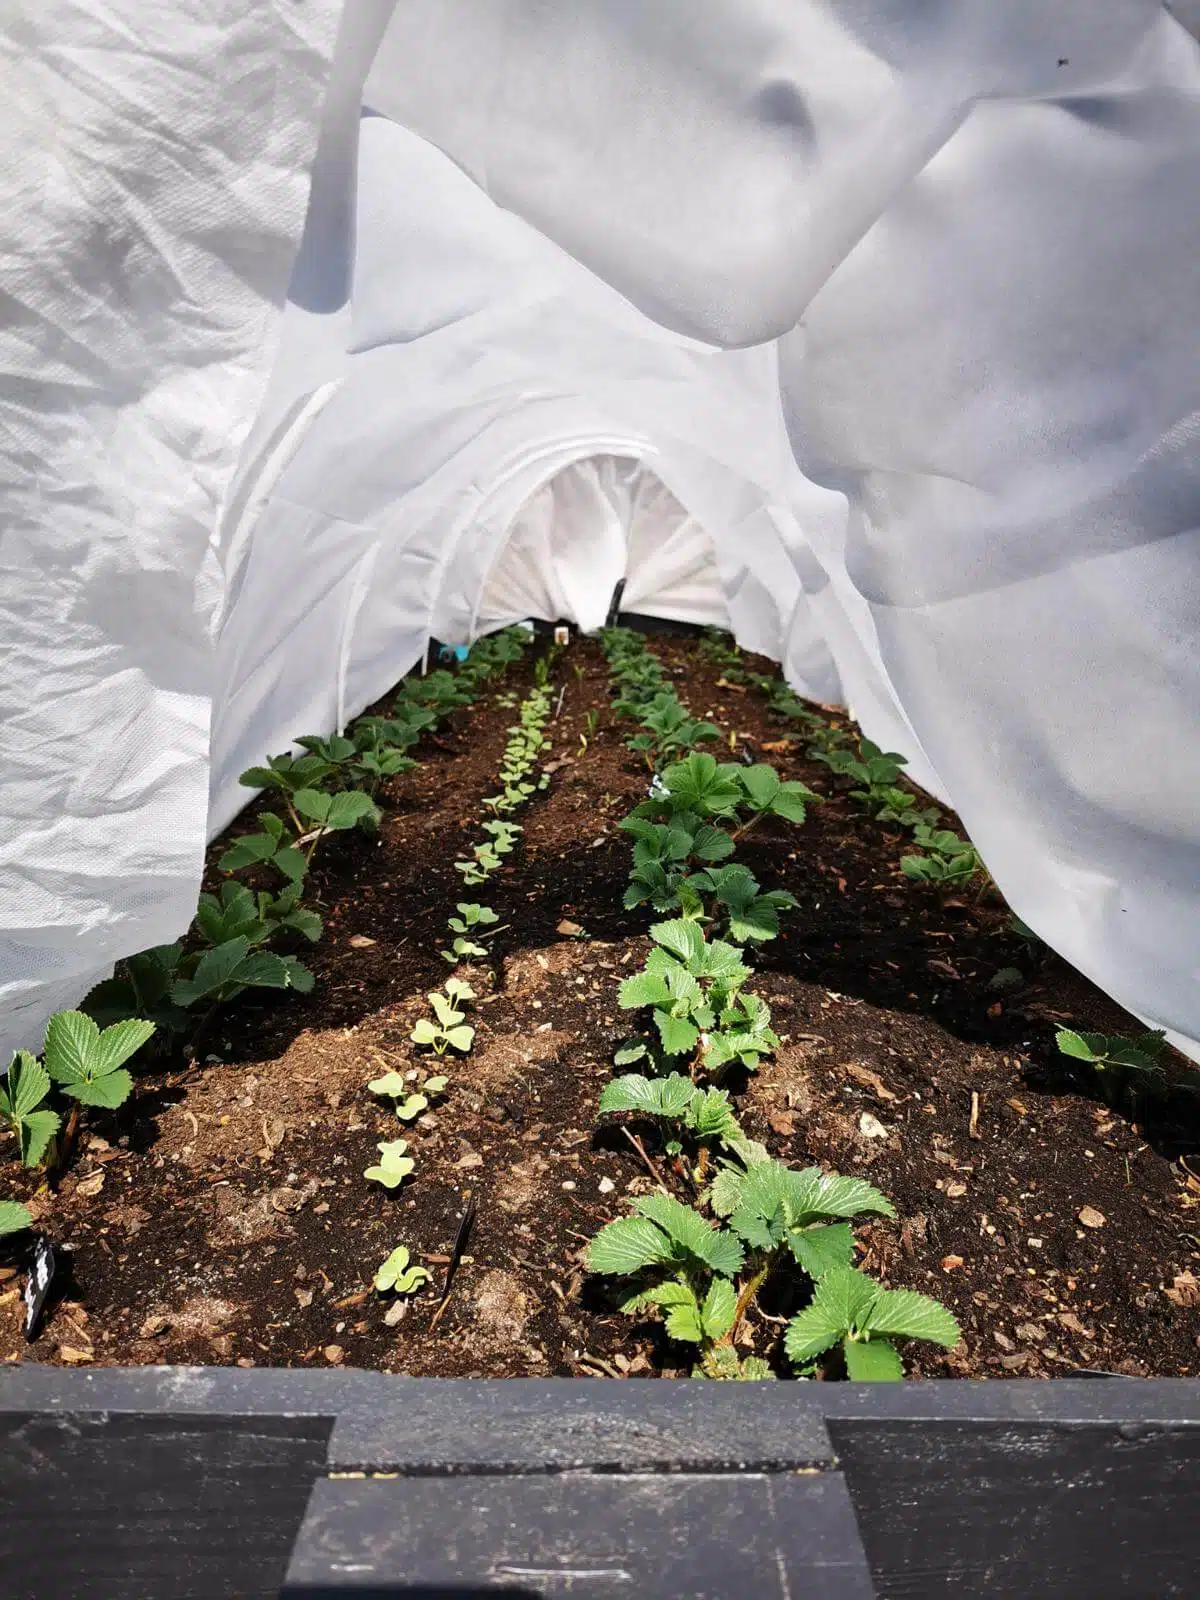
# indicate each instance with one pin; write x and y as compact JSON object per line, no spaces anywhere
{"x":222,"y":1216}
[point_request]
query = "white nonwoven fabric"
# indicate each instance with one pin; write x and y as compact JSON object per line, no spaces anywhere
{"x":889,"y":306}
{"x":154,"y":166}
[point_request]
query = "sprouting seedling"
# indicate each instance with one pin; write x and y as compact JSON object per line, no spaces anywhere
{"x":450,"y":1030}
{"x":409,"y":1102}
{"x":850,"y":1309}
{"x":22,"y":1095}
{"x":393,"y":1166}
{"x":469,"y":918}
{"x":397,"y":1275}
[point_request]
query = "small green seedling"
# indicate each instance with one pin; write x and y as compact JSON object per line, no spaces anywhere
{"x":394,"y":1165}
{"x":395,"y":1274}
{"x":850,"y":1310}
{"x":450,"y":1030}
{"x":14,"y":1218}
{"x":409,"y":1102}
{"x":470,"y":917}
{"x":23,"y":1092}
{"x":1119,"y":1061}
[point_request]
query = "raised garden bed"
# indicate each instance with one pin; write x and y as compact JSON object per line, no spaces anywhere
{"x":221,"y":1215}
{"x":159,"y":1485}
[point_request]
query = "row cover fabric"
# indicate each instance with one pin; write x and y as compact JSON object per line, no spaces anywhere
{"x":888,"y":305}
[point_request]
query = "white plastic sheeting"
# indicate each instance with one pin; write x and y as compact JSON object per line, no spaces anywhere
{"x":957,"y":242}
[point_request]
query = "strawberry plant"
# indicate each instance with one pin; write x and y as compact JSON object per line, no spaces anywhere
{"x":950,"y":861}
{"x":699,"y":1114}
{"x":397,"y":1275}
{"x":669,"y":729}
{"x":699,"y":1009}
{"x":81,"y":1062}
{"x":900,"y":806}
{"x":1121,"y":1064}
{"x":141,"y":987}
{"x":744,"y":910}
{"x":851,"y":1311}
{"x":273,"y":845}
{"x":774,"y":1208}
{"x":227,"y":970}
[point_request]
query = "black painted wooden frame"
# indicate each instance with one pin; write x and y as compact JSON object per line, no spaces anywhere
{"x":207,"y":1483}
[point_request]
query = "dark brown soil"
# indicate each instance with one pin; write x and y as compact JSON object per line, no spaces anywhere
{"x":222,"y":1216}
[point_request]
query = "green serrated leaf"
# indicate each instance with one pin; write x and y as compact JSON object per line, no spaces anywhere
{"x":629,"y":1053}
{"x":841,"y":1297}
{"x":643,"y":989}
{"x":14,"y":1218}
{"x":904,"y":1314}
{"x":690,"y":1233}
{"x":35,"y":1133}
{"x":761,"y":784}
{"x":110,"y":1091}
{"x":719,"y":1308}
{"x":28,"y":1084}
{"x":683,"y":938}
{"x":628,"y":1245}
{"x":658,"y":1097}
{"x":873,"y":1361}
{"x":117,"y":1043}
{"x":71,"y":1040}
{"x":822,"y":1248}
{"x":679,"y":1035}
{"x":1075,"y":1044}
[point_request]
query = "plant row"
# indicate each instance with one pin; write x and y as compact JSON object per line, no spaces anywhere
{"x":750,"y":1231}
{"x":245,"y":935}
{"x":446,"y":1029}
